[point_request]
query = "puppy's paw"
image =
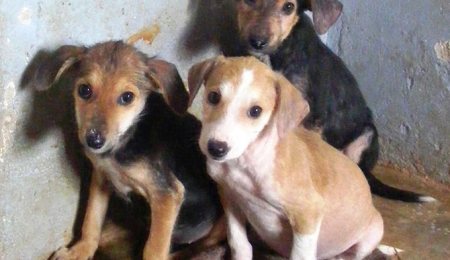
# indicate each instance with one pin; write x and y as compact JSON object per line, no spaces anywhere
{"x":80,"y":251}
{"x":244,"y":252}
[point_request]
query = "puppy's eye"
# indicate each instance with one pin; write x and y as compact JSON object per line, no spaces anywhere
{"x":288,"y":8}
{"x":85,"y":91}
{"x":250,"y":2}
{"x":126,"y":98}
{"x":254,"y":111}
{"x":214,"y":97}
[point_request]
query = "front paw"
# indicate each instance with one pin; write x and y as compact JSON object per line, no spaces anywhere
{"x":243,"y":252}
{"x":80,"y":251}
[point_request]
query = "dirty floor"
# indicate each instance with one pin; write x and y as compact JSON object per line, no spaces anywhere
{"x":421,"y":231}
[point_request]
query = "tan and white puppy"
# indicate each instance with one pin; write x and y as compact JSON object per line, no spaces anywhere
{"x":304,"y":198}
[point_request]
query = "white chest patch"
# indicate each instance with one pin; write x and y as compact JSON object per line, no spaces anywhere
{"x":255,"y":197}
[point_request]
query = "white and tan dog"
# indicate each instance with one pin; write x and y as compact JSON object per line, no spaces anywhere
{"x":304,"y":198}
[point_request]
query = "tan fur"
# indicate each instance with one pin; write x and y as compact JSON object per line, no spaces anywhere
{"x":266,"y":18}
{"x":287,"y":175}
{"x":107,"y":89}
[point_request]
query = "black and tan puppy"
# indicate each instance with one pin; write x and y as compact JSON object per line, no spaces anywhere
{"x":129,"y":113}
{"x":282,"y":30}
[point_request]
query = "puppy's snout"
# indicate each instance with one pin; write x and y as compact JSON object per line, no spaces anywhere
{"x":258,"y":42}
{"x":217,"y":149}
{"x":94,"y":139}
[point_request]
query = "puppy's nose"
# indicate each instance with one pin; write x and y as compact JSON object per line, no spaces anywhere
{"x":258,"y":42}
{"x":217,"y":149}
{"x":94,"y":139}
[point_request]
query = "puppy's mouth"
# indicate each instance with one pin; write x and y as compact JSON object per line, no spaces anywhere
{"x":257,"y":50}
{"x":104,"y":150}
{"x":261,"y":52}
{"x":217,"y":159}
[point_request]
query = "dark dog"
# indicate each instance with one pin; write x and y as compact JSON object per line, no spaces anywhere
{"x":138,"y":140}
{"x":282,"y":30}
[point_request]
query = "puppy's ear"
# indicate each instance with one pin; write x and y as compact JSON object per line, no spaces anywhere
{"x":168,"y":82}
{"x":198,"y":74}
{"x":325,"y":13}
{"x":55,"y":64}
{"x":291,"y":108}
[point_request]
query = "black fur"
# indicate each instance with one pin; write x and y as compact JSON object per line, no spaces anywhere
{"x":168,"y":142}
{"x":337,"y":105}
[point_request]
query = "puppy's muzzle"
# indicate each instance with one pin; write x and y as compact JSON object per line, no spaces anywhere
{"x":217,"y":149}
{"x":94,"y":139}
{"x":258,"y":42}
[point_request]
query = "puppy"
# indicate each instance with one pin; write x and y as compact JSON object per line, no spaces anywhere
{"x":303,"y":197}
{"x":129,"y":113}
{"x":282,"y":30}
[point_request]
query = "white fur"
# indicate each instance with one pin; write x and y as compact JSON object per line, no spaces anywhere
{"x":249,"y":183}
{"x":427,"y":199}
{"x":246,"y":171}
{"x":228,"y":128}
{"x":355,"y":149}
{"x":305,"y":246}
{"x":389,"y":250}
{"x":237,"y":235}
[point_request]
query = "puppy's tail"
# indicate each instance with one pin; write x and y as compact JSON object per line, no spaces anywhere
{"x":386,"y":191}
{"x":368,"y":161}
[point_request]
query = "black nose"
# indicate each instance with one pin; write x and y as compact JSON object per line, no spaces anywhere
{"x":217,"y":149}
{"x":258,"y":42}
{"x":94,"y":139}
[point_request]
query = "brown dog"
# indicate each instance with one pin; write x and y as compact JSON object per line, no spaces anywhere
{"x":128,"y":110}
{"x":303,"y":197}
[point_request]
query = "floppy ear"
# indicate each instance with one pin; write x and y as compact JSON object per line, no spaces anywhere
{"x":55,"y":64}
{"x":168,"y":82}
{"x":291,"y":108}
{"x":198,"y":74}
{"x":325,"y":13}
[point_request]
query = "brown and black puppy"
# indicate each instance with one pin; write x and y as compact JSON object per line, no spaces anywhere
{"x":304,"y":198}
{"x":282,"y":30}
{"x":131,"y":123}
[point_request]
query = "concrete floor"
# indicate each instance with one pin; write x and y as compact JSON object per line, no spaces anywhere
{"x":422,"y":231}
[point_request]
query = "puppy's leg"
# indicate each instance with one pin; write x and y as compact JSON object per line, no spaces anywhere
{"x":368,"y":242}
{"x":241,"y":248}
{"x":305,"y":221}
{"x":93,"y":220}
{"x":164,"y":205}
{"x":216,"y":235}
{"x":355,"y":149}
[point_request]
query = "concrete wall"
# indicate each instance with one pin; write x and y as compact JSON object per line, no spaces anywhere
{"x":390,"y":52}
{"x":389,"y":46}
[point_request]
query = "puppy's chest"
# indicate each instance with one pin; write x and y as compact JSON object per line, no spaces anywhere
{"x":116,"y":175}
{"x":261,"y":208}
{"x":258,"y":201}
